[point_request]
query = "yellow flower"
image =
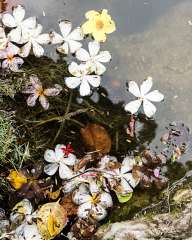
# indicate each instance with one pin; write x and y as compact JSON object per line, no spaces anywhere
{"x":16,"y":179}
{"x":98,"y":24}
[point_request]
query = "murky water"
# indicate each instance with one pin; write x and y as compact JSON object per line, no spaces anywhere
{"x":153,"y":38}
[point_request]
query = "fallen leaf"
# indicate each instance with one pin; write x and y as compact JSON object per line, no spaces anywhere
{"x":96,"y":138}
{"x":16,"y":179}
{"x":124,"y":198}
{"x":69,"y":206}
{"x":51,"y":219}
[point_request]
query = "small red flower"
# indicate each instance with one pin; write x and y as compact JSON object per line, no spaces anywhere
{"x":67,"y":150}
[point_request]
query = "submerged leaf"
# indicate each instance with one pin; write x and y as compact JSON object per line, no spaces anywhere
{"x":124,"y":198}
{"x":96,"y":138}
{"x":51,"y":219}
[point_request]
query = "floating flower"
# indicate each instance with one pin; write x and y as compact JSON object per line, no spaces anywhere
{"x":3,"y":39}
{"x":17,"y":22}
{"x":36,"y":90}
{"x":16,"y":179}
{"x":69,"y":39}
{"x":93,"y":203}
{"x":34,"y":41}
{"x":125,"y":180}
{"x":58,"y":159}
{"x":10,"y":61}
{"x":94,"y":58}
{"x":98,"y":24}
{"x":144,"y":97}
{"x":82,"y":78}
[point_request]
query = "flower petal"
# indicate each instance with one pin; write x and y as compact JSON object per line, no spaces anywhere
{"x":64,"y":171}
{"x":65,"y":27}
{"x":29,"y":23}
{"x":34,"y":80}
{"x":44,"y":102}
{"x":88,"y":27}
{"x":15,"y":35}
{"x":74,"y":69}
{"x":85,"y":89}
{"x":106,"y":200}
{"x":84,"y":210}
{"x":74,"y":46}
{"x":37,"y":49}
{"x":99,"y":36}
{"x":149,"y":108}
{"x":31,"y":232}
{"x":31,"y":100}
{"x":98,"y":212}
{"x":146,"y":86}
{"x":155,"y":96}
{"x":5,"y":64}
{"x":132,"y":181}
{"x":8,"y":20}
{"x":133,"y":106}
{"x":91,"y":14}
{"x":81,"y":197}
{"x":56,"y":38}
{"x":49,"y":156}
{"x":43,"y":38}
{"x":126,"y":188}
{"x":51,"y":169}
{"x":25,"y":50}
{"x":53,"y":91}
{"x":19,"y":13}
{"x":127,"y":164}
{"x":72,"y":82}
{"x":100,"y":68}
{"x":70,"y":160}
{"x":82,"y":55}
{"x":76,"y":34}
{"x":104,"y":57}
{"x":94,"y":48}
{"x":64,"y":48}
{"x":94,"y":80}
{"x":134,"y":89}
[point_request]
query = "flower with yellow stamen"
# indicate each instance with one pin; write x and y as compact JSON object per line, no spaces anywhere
{"x":98,"y":24}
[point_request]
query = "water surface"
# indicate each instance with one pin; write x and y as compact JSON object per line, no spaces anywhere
{"x":153,"y":38}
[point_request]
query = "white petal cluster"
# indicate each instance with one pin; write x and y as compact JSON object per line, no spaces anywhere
{"x":144,"y":97}
{"x":82,"y":78}
{"x":92,"y":202}
{"x":59,"y":160}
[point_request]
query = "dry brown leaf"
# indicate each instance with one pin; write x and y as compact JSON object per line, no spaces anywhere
{"x":69,"y":206}
{"x":51,"y":219}
{"x":96,"y":138}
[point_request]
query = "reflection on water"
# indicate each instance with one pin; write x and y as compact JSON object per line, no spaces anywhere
{"x":153,"y":38}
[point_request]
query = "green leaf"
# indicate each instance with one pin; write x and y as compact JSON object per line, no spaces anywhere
{"x":124,"y":198}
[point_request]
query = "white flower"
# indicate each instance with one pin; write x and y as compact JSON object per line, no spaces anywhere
{"x":3,"y":39}
{"x":107,"y":161}
{"x":27,"y":232}
{"x":93,"y":203}
{"x":10,"y":61}
{"x":82,"y":78}
{"x":36,"y":90}
{"x":94,"y":58}
{"x":123,"y":174}
{"x":34,"y":41}
{"x":144,"y":97}
{"x":17,"y":22}
{"x":61,"y":159}
{"x":69,"y":39}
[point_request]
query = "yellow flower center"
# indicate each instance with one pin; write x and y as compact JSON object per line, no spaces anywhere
{"x":10,"y":58}
{"x":94,"y":199}
{"x":40,"y":91}
{"x":99,"y":24}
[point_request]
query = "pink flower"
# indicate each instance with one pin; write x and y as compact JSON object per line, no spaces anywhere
{"x":10,"y":61}
{"x":36,"y":90}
